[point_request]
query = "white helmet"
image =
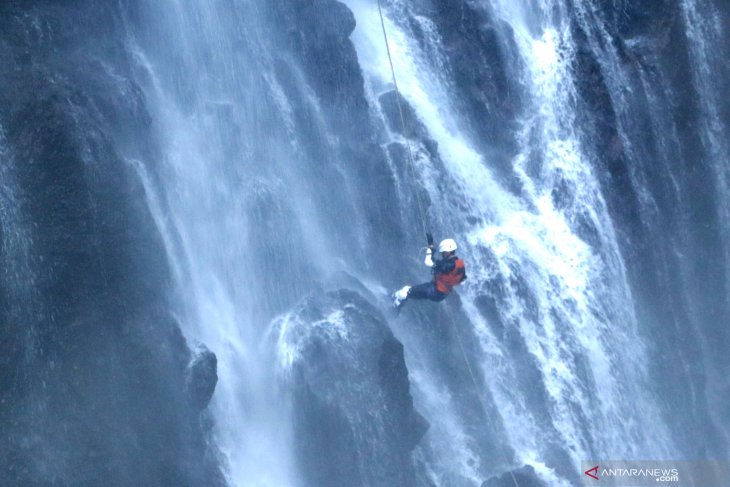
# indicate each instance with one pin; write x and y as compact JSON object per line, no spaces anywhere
{"x":448,"y":245}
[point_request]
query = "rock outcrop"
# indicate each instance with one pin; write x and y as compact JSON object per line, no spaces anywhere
{"x":524,"y":477}
{"x":354,"y":420}
{"x":201,"y":377}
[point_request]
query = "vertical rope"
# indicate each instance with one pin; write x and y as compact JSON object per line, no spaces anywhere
{"x":402,"y":121}
{"x":423,"y":223}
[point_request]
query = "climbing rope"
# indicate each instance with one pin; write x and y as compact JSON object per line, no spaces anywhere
{"x":425,"y":231}
{"x":402,"y":119}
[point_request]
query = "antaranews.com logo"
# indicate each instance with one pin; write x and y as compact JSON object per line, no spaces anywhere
{"x":663,"y":472}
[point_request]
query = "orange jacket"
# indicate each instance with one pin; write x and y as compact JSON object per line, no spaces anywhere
{"x":446,"y":276}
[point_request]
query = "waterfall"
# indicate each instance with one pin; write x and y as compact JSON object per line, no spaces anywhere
{"x":222,"y":204}
{"x":568,"y":297}
{"x":231,"y":176}
{"x":564,"y":371}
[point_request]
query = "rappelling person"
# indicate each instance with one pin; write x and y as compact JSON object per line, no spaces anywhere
{"x":449,"y":271}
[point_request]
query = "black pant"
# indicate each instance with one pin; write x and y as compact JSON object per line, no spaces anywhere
{"x":427,"y":290}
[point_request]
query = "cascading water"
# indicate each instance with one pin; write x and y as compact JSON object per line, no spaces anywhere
{"x":19,"y":296}
{"x":577,"y":151}
{"x":17,"y":275}
{"x":225,"y":212}
{"x":569,"y":300}
{"x":574,"y":359}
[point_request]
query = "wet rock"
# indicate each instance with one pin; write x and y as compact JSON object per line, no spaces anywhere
{"x":651,"y":19}
{"x":201,"y":377}
{"x":643,"y":30}
{"x":316,"y":32}
{"x":340,"y":280}
{"x":95,"y":389}
{"x":563,"y":194}
{"x":488,"y":307}
{"x":524,"y":477}
{"x":393,"y":103}
{"x":479,"y":53}
{"x":354,"y":421}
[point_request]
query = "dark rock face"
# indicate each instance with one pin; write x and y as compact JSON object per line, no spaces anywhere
{"x":639,"y":156}
{"x":319,"y":31}
{"x":524,"y":477}
{"x":201,"y":377}
{"x":93,"y":386}
{"x":316,"y":33}
{"x":354,"y":420}
{"x":393,"y":104}
{"x":479,"y":55}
